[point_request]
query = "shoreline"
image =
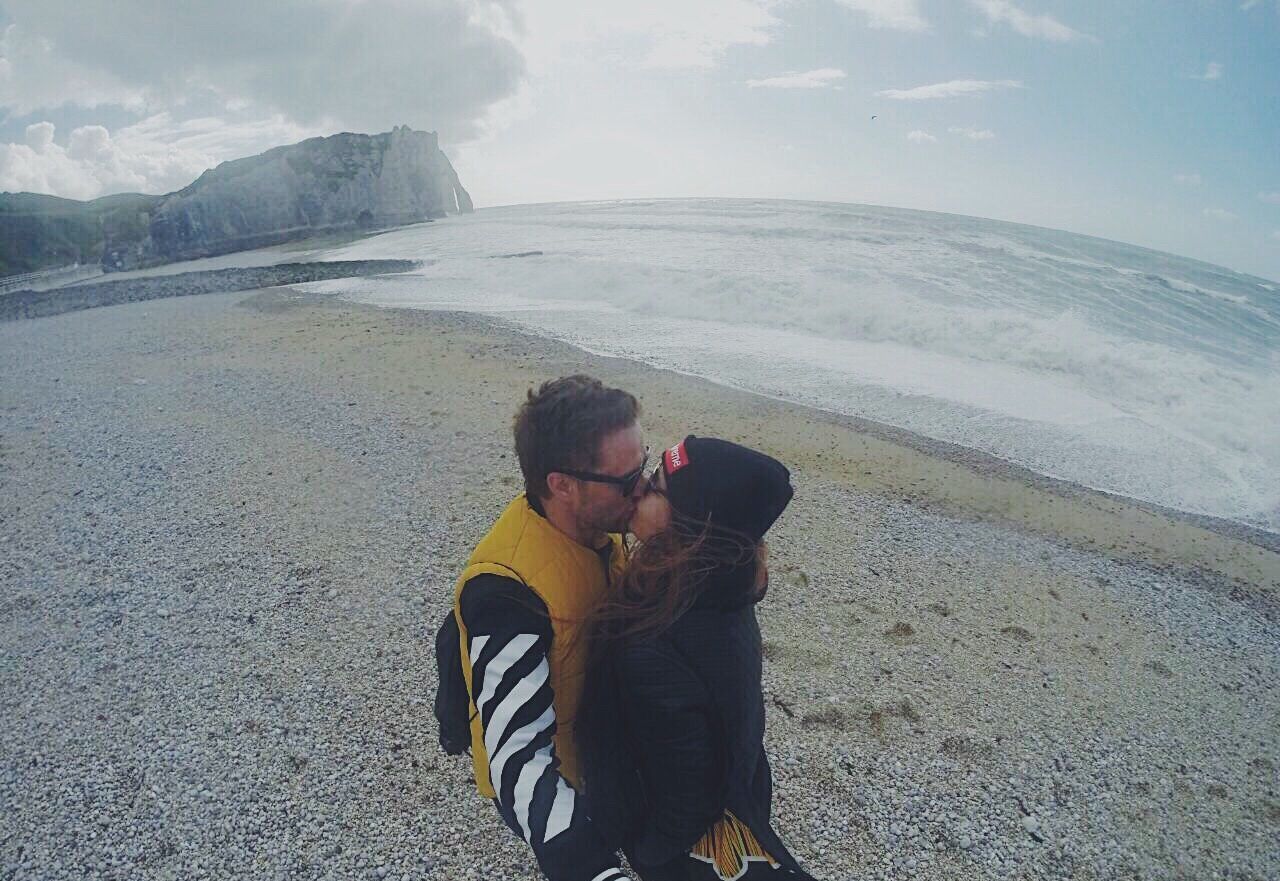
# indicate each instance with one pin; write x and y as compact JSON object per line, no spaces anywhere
{"x":170,"y":280}
{"x":972,"y":457}
{"x":989,"y":463}
{"x":232,"y":522}
{"x":1259,"y":583}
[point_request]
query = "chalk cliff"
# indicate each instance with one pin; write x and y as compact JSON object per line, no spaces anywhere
{"x":345,"y":181}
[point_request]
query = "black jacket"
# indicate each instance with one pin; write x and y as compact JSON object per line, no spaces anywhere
{"x":671,"y":730}
{"x":511,"y":623}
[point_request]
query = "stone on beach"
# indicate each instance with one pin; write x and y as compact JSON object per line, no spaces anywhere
{"x":218,"y":619}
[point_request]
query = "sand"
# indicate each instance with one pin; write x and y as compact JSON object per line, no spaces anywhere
{"x":230,"y":523}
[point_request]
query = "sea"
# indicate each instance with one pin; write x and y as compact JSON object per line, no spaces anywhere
{"x":1116,"y":367}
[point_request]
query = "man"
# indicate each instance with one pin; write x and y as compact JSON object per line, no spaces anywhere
{"x":520,"y":605}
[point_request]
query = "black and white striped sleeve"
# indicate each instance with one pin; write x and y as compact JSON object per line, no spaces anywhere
{"x":510,"y":637}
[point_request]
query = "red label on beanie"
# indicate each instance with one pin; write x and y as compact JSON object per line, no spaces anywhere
{"x":676,"y":458}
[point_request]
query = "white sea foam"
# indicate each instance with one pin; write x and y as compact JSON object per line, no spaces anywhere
{"x":1114,"y":366}
{"x":1189,"y":288}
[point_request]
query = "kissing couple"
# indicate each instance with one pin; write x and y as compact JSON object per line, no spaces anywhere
{"x":610,"y":692}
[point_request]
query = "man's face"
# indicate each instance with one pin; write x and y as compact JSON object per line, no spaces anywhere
{"x":603,"y":507}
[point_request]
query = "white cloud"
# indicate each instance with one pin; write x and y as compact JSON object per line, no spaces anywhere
{"x":973,"y":134}
{"x":688,"y":35}
{"x":1191,"y":179}
{"x":156,"y":155}
{"x":1220,"y":214}
{"x":670,"y":34}
{"x":41,"y":166}
{"x":89,"y":143}
{"x":950,"y":89}
{"x":359,"y":64}
{"x":215,"y":137}
{"x":39,"y":137}
{"x":34,"y":76}
{"x":920,"y":136}
{"x":1044,"y":27}
{"x":1212,"y":71}
{"x":901,"y":15}
{"x":1269,"y":198}
{"x":811,"y":79}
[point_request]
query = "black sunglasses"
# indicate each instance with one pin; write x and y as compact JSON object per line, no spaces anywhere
{"x":626,"y":484}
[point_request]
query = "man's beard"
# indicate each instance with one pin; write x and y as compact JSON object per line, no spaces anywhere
{"x":618,"y":523}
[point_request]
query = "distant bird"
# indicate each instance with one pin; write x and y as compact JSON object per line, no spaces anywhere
{"x":873,"y":117}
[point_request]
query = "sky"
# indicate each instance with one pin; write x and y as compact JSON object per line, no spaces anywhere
{"x":1153,"y":123}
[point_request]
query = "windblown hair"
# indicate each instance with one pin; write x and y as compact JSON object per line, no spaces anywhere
{"x":563,"y":424}
{"x":666,"y":574}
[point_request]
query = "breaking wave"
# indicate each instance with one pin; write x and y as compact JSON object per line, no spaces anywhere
{"x":1110,"y":365}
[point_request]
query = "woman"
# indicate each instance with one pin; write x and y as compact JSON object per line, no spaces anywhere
{"x":672,"y":722}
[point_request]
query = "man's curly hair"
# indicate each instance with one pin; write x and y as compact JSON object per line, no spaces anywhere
{"x":563,"y":424}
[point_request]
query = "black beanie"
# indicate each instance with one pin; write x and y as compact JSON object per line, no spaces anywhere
{"x":725,"y":484}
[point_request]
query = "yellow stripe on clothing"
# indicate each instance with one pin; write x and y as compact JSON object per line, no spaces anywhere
{"x":729,"y":846}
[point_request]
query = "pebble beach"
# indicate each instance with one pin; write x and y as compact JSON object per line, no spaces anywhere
{"x":230,"y":524}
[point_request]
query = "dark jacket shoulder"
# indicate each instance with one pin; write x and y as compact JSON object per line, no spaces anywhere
{"x":500,"y":605}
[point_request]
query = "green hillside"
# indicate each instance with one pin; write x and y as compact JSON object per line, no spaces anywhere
{"x":40,"y":232}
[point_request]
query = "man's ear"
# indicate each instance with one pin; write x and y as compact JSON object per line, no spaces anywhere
{"x":560,"y":485}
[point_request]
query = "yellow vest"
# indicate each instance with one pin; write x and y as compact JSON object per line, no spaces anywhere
{"x":570,"y":579}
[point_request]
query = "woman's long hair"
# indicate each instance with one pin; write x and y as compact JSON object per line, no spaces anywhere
{"x":663,"y":578}
{"x":666,"y":574}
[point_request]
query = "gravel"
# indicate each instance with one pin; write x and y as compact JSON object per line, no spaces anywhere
{"x":230,"y":523}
